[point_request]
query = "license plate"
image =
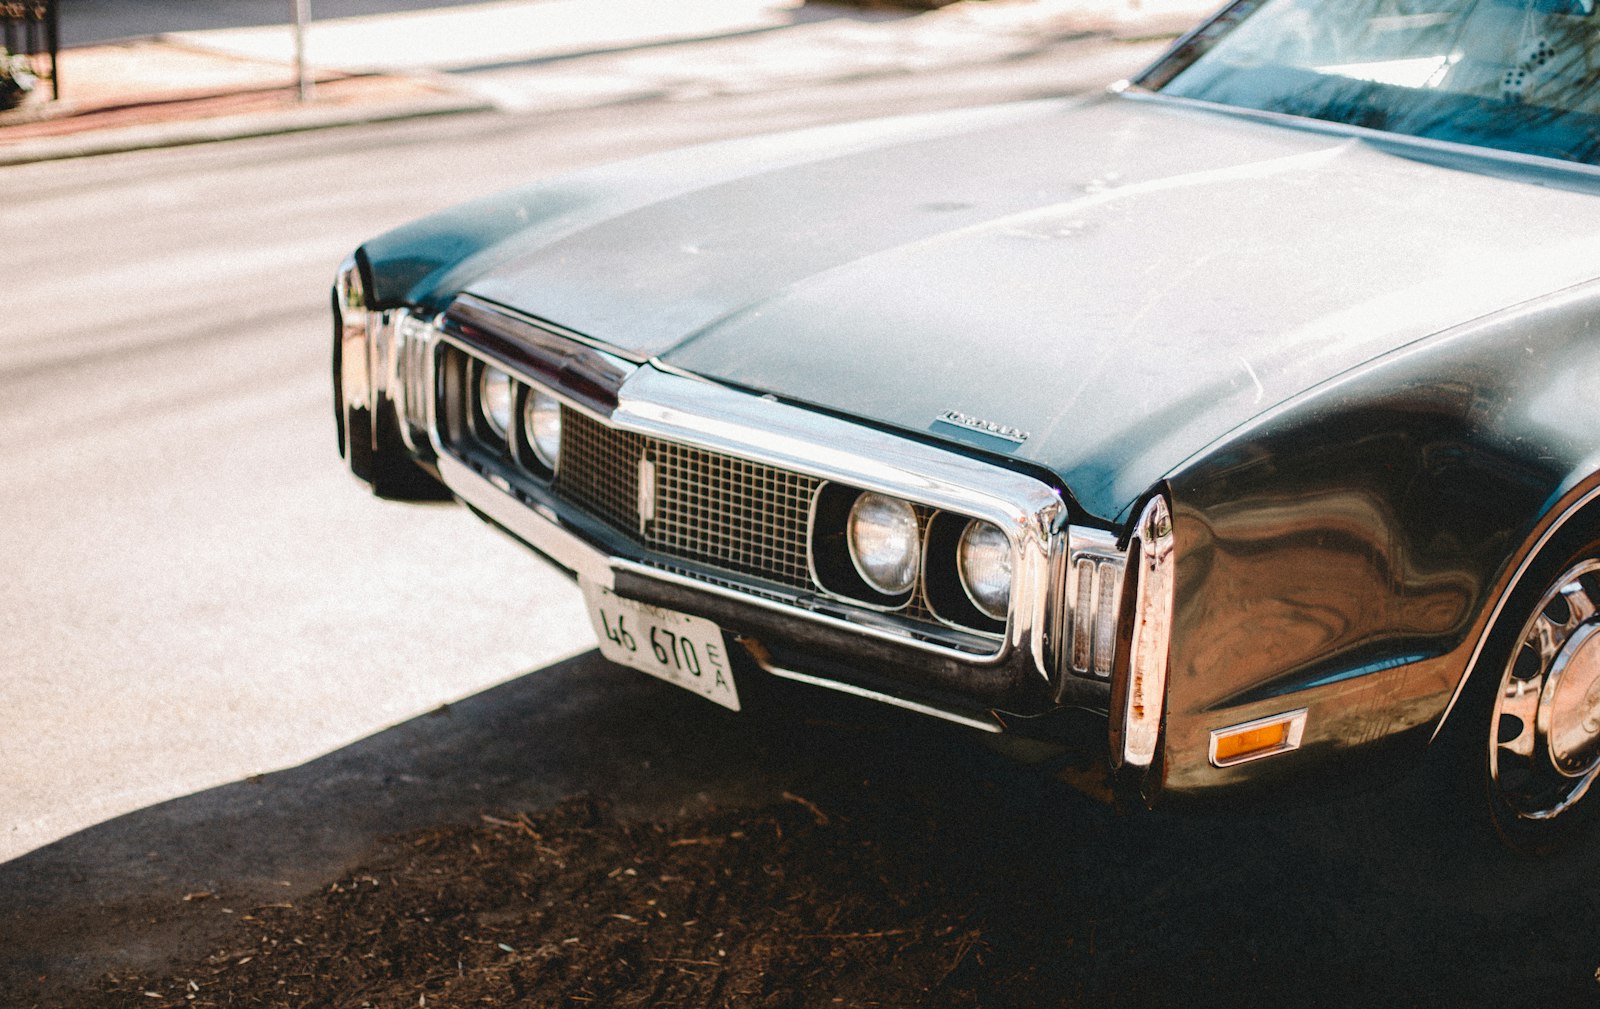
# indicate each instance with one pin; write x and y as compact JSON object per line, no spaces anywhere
{"x":672,"y":646}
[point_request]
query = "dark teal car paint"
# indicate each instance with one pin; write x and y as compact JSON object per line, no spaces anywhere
{"x":1089,"y":273}
{"x":427,"y":262}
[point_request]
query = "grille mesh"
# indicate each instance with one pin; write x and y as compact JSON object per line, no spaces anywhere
{"x":731,"y":513}
{"x":600,"y":470}
{"x":716,"y":509}
{"x":720,"y":511}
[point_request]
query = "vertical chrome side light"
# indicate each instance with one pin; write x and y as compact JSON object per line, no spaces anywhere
{"x":410,"y":380}
{"x":1136,"y":727}
{"x":1094,"y":589}
{"x":1108,"y":592}
{"x":1083,"y":616}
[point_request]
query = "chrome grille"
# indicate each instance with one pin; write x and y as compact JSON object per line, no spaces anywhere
{"x":680,"y":503}
{"x":731,"y":513}
{"x":600,"y":470}
{"x":715,"y":509}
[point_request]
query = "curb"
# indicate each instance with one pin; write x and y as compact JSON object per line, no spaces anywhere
{"x":457,"y":96}
{"x":185,"y":133}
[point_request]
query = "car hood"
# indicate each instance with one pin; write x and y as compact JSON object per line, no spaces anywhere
{"x":1123,"y":281}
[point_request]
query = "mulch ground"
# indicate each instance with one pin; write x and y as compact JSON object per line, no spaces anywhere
{"x":923,"y":880}
{"x":787,"y":907}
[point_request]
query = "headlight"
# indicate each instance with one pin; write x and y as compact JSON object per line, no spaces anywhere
{"x":494,"y":399}
{"x":984,"y":561}
{"x":884,"y":543}
{"x":541,"y":419}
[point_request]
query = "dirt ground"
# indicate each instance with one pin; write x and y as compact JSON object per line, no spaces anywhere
{"x":894,"y":872}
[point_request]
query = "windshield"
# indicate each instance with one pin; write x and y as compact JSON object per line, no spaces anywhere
{"x":1519,"y":75}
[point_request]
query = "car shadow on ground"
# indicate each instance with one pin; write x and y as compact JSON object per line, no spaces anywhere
{"x":1073,"y":902}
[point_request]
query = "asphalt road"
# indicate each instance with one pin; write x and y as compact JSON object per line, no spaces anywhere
{"x":224,"y":665}
{"x":196,"y":592}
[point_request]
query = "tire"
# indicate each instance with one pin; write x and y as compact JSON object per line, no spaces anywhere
{"x":1528,"y":743}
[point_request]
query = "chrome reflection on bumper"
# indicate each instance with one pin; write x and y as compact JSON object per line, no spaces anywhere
{"x":767,"y":666}
{"x":352,"y":370}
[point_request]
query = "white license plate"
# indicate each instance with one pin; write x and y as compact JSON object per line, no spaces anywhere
{"x":673,"y":646}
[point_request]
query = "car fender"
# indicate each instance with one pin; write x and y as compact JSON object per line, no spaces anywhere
{"x":1345,"y":553}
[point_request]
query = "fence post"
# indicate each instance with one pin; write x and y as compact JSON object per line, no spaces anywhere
{"x":302,"y":19}
{"x":52,"y":29}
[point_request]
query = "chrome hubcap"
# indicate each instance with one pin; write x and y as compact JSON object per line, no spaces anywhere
{"x":1544,"y":747}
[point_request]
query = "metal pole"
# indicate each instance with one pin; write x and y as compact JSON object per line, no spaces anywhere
{"x":53,"y":33}
{"x":302,"y":18}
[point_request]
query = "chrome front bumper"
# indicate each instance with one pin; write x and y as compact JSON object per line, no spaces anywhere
{"x":1025,"y":671}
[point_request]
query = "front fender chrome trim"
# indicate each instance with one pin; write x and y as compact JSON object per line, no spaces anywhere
{"x":1139,"y":692}
{"x":1567,"y":513}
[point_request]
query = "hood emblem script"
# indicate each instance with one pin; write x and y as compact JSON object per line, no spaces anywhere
{"x":988,"y":427}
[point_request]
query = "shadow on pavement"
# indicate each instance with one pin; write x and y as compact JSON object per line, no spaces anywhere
{"x":1075,"y":904}
{"x":113,"y":895}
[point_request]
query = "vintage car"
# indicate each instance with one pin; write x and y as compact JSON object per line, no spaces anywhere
{"x":1239,"y":424}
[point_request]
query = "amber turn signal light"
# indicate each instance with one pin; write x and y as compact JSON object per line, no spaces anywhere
{"x":1263,"y":737}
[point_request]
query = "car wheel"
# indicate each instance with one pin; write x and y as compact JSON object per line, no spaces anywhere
{"x":1538,"y":730}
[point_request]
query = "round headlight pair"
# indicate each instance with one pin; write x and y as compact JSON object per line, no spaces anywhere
{"x":541,"y":414}
{"x":886,"y":547}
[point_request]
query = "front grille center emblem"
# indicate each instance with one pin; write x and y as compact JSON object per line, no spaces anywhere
{"x":647,"y":492}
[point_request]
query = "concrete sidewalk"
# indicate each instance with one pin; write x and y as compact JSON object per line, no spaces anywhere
{"x":526,"y":56}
